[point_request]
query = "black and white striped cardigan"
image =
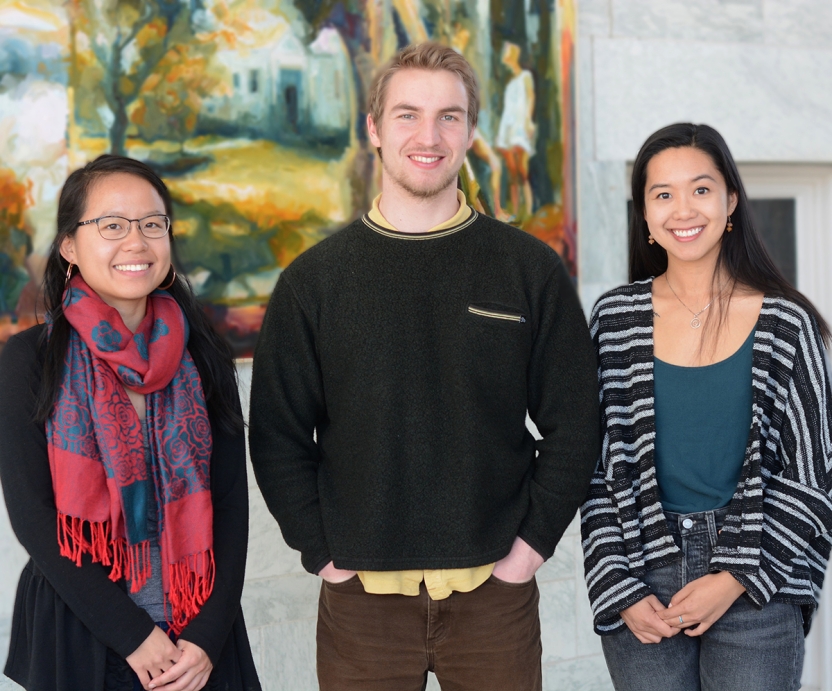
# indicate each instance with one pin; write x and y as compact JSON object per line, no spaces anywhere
{"x":776,"y":537}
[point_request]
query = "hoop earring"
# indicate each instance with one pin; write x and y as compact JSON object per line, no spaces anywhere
{"x":171,"y":281}
{"x":729,"y":226}
{"x":68,"y":274}
{"x":650,"y":239}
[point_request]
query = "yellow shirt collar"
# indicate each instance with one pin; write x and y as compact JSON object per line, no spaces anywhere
{"x":462,"y":215}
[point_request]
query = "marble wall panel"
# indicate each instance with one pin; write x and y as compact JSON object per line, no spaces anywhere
{"x":587,"y":642}
{"x":268,"y":554}
{"x":586,"y":105}
{"x":557,"y":620}
{"x":582,"y":674}
{"x":603,"y":223}
{"x":269,"y":601}
{"x":562,"y":564}
{"x":288,"y":656}
{"x":5,"y":635}
{"x":602,"y":197}
{"x":255,"y":640}
{"x":244,"y":380}
{"x":574,"y":527}
{"x":704,"y":20}
{"x":590,"y":292}
{"x":594,"y":17}
{"x":12,"y":560}
{"x":771,"y":104}
{"x":802,"y":23}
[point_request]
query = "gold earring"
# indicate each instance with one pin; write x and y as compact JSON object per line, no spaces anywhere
{"x":650,"y":239}
{"x":68,"y":274}
{"x":171,"y":280}
{"x":729,"y":226}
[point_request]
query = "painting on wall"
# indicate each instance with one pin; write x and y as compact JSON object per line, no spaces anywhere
{"x":253,"y":112}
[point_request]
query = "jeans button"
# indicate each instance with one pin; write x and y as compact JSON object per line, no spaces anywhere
{"x":687,"y":523}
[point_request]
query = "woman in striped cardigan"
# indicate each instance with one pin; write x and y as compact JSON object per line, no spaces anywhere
{"x":706,"y":531}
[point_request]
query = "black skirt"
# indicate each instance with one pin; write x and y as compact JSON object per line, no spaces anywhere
{"x":51,"y":650}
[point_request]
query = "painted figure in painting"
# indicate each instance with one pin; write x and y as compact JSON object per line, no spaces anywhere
{"x":516,"y":134}
{"x":391,"y":381}
{"x":708,"y":524}
{"x":122,"y":458}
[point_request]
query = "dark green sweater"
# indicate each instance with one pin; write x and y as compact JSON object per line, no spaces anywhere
{"x":422,"y":458}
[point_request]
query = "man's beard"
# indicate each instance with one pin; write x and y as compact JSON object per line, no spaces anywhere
{"x":422,"y":193}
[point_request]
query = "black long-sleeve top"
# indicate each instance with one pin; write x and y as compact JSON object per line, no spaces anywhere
{"x":66,"y":617}
{"x":414,"y":359}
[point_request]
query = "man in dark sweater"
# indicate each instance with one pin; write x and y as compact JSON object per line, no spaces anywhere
{"x":395,"y":368}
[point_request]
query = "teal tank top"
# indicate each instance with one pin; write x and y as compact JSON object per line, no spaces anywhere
{"x":703,"y":417}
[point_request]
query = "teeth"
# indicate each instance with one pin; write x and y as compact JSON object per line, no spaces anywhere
{"x":425,"y":159}
{"x":688,"y":233}
{"x":132,"y":267}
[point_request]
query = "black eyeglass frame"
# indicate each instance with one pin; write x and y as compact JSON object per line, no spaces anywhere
{"x":129,"y":225}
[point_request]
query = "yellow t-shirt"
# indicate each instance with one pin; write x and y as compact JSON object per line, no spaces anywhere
{"x":440,"y":583}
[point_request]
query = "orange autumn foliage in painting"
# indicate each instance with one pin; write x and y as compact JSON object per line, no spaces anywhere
{"x":15,"y":198}
{"x":549,"y":225}
{"x":171,"y":97}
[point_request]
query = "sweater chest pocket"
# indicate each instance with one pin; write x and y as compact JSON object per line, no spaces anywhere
{"x":497,"y":344}
{"x":497,"y":314}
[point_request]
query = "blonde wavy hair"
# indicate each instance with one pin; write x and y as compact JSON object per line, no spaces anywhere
{"x":425,"y":56}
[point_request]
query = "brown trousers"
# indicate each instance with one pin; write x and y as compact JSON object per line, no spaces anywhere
{"x":485,"y":640}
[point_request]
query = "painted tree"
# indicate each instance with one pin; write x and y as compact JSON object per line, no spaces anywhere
{"x":129,"y":39}
{"x":171,"y":98}
{"x":15,"y":242}
{"x":362,"y":28}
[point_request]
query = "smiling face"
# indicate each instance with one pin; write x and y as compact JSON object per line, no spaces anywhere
{"x":123,"y":272}
{"x":687,"y":204}
{"x":423,"y":134}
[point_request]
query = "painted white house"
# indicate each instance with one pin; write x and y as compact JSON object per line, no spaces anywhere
{"x":285,"y":89}
{"x":330,"y":82}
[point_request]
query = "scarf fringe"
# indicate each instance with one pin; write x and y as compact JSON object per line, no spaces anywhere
{"x":74,"y":543}
{"x":191,"y":581}
{"x":128,"y":561}
{"x":132,"y":563}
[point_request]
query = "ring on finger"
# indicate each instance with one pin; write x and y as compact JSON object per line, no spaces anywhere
{"x":681,"y":621}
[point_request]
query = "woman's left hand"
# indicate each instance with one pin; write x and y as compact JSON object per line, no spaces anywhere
{"x":702,"y":602}
{"x":190,"y":673}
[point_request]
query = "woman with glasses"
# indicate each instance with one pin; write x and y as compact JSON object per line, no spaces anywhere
{"x":122,"y":459}
{"x":706,"y":531}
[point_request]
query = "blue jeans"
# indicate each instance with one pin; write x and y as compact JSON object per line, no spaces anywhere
{"x":747,"y":648}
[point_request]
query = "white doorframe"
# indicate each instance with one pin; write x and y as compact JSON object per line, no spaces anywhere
{"x":811,"y":188}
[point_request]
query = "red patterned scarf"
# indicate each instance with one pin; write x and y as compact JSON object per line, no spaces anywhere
{"x":97,"y":456}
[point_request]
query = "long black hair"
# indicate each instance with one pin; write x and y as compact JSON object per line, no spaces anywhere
{"x":211,"y":354}
{"x":742,"y":255}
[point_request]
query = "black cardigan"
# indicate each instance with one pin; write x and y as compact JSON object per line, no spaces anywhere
{"x":68,"y":620}
{"x":415,"y":359}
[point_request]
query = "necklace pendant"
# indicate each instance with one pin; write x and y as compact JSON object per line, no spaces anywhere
{"x":695,"y":323}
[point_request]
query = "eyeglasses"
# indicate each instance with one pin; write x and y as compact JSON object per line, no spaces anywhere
{"x":116,"y":227}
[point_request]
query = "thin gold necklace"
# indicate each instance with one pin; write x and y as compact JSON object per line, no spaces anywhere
{"x":696,"y":322}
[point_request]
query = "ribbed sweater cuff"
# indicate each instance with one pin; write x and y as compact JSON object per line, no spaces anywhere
{"x":632,"y":590}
